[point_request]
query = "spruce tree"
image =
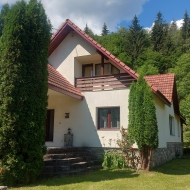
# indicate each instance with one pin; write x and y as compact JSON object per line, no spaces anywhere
{"x":158,"y":33}
{"x":3,"y":13}
{"x":185,"y":29}
{"x":88,"y":31}
{"x":105,"y":30}
{"x":136,"y":42}
{"x":23,"y":91}
{"x":142,"y":120}
{"x":185,"y":33}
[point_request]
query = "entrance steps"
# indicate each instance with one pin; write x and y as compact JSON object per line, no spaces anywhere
{"x":69,"y":161}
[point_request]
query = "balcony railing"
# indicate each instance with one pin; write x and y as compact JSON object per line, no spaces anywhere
{"x":106,"y":82}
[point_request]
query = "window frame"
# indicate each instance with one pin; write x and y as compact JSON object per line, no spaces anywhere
{"x":109,"y":127}
{"x":112,"y":67}
{"x":85,"y":66}
{"x":171,"y":125}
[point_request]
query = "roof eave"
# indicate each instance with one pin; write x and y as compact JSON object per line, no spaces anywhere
{"x":57,"y":89}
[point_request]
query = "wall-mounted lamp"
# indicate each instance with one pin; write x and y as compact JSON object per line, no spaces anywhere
{"x":69,"y":130}
{"x":66,"y":115}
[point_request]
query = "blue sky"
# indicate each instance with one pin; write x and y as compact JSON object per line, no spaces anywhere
{"x":115,"y":13}
{"x":171,"y":9}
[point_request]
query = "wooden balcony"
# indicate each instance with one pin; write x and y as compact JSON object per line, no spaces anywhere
{"x":106,"y":82}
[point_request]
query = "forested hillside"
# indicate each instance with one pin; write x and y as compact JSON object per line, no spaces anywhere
{"x":163,"y":49}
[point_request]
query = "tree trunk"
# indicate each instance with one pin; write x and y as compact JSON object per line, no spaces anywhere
{"x":145,"y":155}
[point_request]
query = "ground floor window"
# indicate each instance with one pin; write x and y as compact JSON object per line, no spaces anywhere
{"x":49,"y":125}
{"x":171,"y":125}
{"x":109,"y":117}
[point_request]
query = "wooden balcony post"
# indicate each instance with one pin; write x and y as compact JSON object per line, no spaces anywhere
{"x":102,"y":65}
{"x":102,"y":68}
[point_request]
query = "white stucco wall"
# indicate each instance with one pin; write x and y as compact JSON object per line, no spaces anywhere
{"x":83,"y":117}
{"x":71,"y":54}
{"x":163,"y":112}
{"x":68,"y":58}
{"x":62,"y":58}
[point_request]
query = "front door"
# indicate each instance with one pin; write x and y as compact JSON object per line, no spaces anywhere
{"x":49,"y":125}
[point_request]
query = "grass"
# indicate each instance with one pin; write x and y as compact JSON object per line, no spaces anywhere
{"x":173,"y":175}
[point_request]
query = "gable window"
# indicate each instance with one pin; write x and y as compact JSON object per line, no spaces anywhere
{"x":108,"y":69}
{"x":49,"y":125}
{"x":87,"y":70}
{"x":108,"y":117}
{"x":171,"y":125}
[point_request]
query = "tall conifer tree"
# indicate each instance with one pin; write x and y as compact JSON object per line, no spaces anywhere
{"x":88,"y":31}
{"x":136,"y":41}
{"x":159,"y":32}
{"x":105,"y":30}
{"x":185,"y":33}
{"x":142,"y":120}
{"x":23,"y":91}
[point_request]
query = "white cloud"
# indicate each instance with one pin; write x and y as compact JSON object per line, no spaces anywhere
{"x":94,"y":13}
{"x":179,"y":23}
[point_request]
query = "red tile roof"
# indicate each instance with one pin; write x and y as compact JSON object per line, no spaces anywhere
{"x":60,"y":84}
{"x":69,"y":26}
{"x":166,"y":85}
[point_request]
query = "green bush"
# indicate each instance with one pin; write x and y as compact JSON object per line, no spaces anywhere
{"x":186,"y":150}
{"x":186,"y":144}
{"x":113,"y":160}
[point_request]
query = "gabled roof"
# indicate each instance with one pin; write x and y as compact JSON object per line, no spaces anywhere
{"x":69,"y":26}
{"x":166,"y":85}
{"x":60,"y":84}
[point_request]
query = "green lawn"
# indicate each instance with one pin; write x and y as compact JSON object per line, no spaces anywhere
{"x":174,"y":175}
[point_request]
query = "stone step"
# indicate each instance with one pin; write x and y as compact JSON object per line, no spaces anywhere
{"x":59,"y":162}
{"x":71,"y":166}
{"x":71,"y":172}
{"x":84,"y":155}
{"x":69,"y":161}
{"x":61,"y":150}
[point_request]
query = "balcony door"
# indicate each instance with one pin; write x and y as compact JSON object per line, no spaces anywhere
{"x":87,"y":70}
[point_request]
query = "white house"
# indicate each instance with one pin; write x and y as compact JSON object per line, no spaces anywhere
{"x":89,"y":90}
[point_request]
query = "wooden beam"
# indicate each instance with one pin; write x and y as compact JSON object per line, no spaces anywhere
{"x":102,"y":65}
{"x":105,"y":57}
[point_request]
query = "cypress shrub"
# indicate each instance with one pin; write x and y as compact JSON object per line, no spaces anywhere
{"x":142,"y":126}
{"x":23,"y":91}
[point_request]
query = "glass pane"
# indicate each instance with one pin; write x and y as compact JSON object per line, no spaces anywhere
{"x":97,"y":69}
{"x":103,"y":118}
{"x":88,"y":71}
{"x":115,"y":70}
{"x":115,"y":117}
{"x":107,"y":69}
